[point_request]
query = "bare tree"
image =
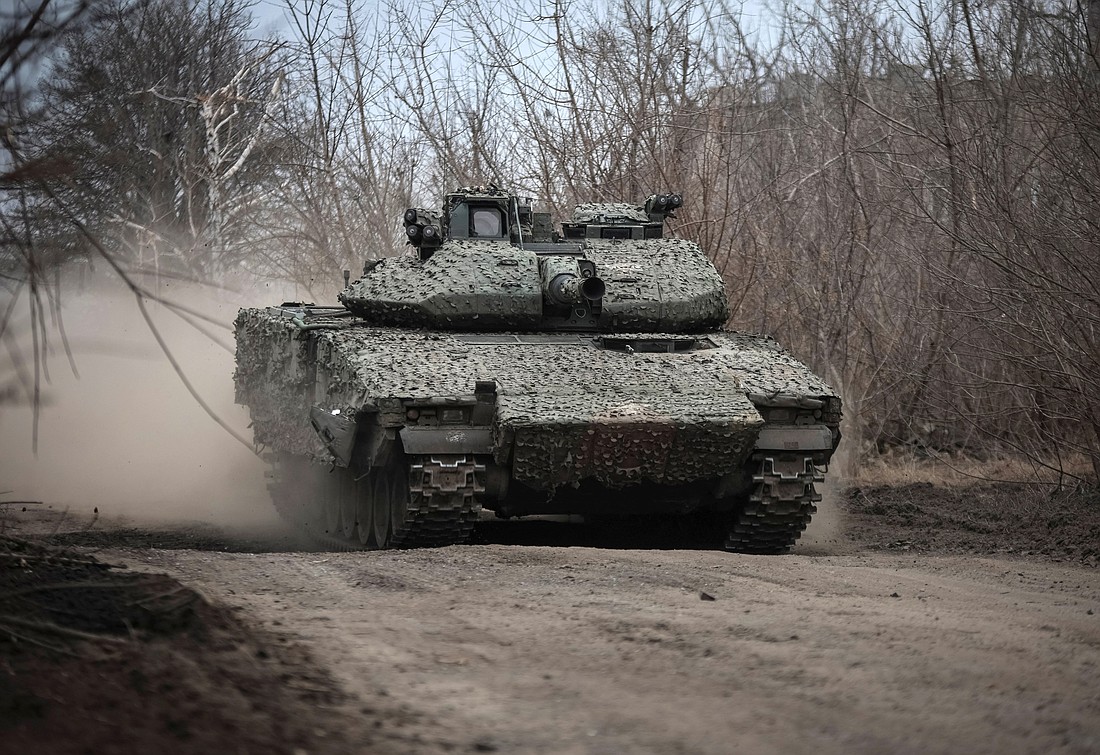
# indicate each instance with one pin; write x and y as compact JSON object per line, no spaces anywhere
{"x":157,"y":112}
{"x":346,"y":173}
{"x":903,"y":193}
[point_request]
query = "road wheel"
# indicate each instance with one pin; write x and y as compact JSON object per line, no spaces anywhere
{"x":399,"y":494}
{"x":384,"y":490}
{"x":328,"y":496}
{"x":346,"y":490}
{"x":365,"y":506}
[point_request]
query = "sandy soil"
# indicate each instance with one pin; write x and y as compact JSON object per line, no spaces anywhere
{"x":564,"y":649}
{"x":551,"y":637}
{"x":527,"y":642}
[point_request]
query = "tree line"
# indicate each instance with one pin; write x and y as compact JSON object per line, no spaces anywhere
{"x":905,"y":193}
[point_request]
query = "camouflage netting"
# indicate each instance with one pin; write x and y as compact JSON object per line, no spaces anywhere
{"x":658,"y":284}
{"x":764,"y":368}
{"x":609,"y":212}
{"x":663,"y":285}
{"x":274,"y":378}
{"x":465,"y":284}
{"x":567,"y":410}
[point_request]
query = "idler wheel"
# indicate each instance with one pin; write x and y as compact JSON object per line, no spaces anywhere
{"x":346,"y":489}
{"x":328,"y":496}
{"x":398,"y":476}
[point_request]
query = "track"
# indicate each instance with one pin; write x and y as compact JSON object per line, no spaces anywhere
{"x":782,"y":501}
{"x":432,"y":501}
{"x":417,"y":501}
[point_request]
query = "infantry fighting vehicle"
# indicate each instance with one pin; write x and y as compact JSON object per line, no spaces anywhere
{"x":503,"y":365}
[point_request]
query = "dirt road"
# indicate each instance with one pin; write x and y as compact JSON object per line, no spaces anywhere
{"x":536,"y":648}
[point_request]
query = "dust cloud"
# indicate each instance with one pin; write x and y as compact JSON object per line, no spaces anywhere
{"x":825,"y":534}
{"x":126,"y":437}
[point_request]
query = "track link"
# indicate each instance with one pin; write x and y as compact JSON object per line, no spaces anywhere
{"x":780,"y":505}
{"x":443,"y":505}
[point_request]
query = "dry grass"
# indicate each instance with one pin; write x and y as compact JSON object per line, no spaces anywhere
{"x":977,"y":519}
{"x":905,"y":468}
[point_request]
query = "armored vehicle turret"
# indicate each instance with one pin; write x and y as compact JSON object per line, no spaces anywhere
{"x":502,"y":365}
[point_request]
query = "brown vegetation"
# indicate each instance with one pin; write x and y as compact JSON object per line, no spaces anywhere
{"x":904,"y":194}
{"x":980,"y":519}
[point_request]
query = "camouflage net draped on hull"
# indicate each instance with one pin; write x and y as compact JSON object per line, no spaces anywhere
{"x":567,"y":409}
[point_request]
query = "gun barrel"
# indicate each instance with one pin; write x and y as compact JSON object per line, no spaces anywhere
{"x":564,"y":284}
